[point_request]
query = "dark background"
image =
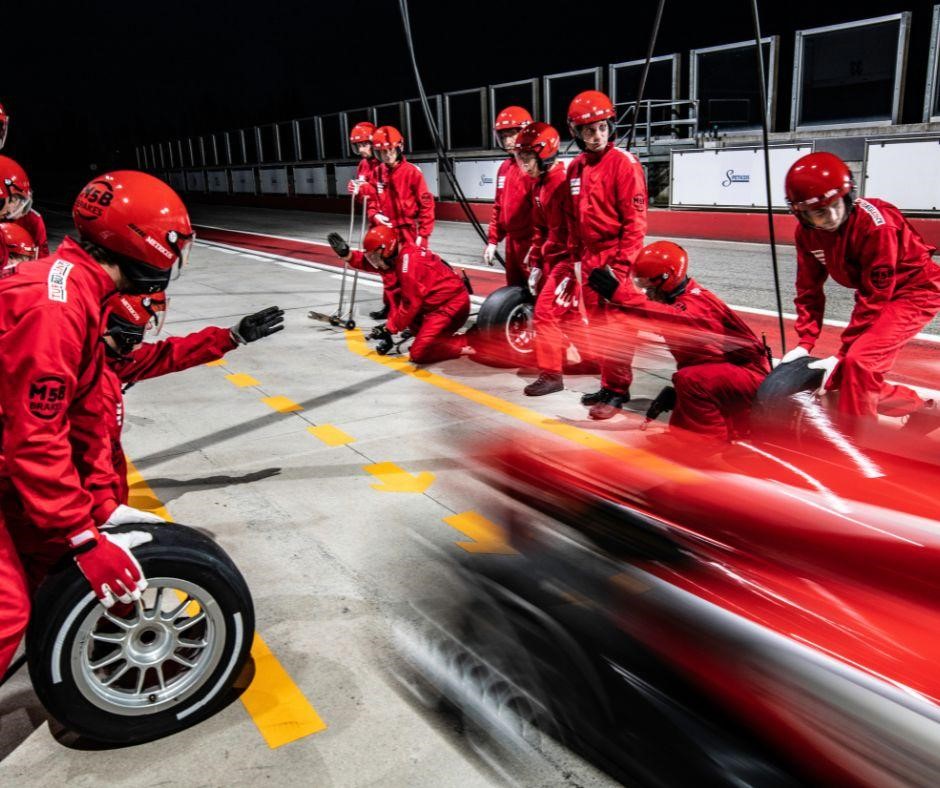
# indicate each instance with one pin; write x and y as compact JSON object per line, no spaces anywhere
{"x":101,"y":77}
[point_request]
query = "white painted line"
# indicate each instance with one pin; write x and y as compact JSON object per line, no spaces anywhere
{"x":254,"y":257}
{"x":362,"y":282}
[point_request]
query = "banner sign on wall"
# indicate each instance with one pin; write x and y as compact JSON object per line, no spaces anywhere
{"x":477,"y":178}
{"x":273,"y":180}
{"x":730,"y":177}
{"x":904,"y":172}
{"x":217,"y":181}
{"x":429,"y":171}
{"x":310,"y":180}
{"x":178,"y":181}
{"x":243,"y":181}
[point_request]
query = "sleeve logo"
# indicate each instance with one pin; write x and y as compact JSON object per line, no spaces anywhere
{"x":47,"y":397}
{"x":58,"y":281}
{"x":881,"y":276}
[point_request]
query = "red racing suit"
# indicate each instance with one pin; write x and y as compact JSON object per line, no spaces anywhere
{"x":402,"y":195}
{"x":549,"y":253}
{"x":720,"y":363}
{"x":512,"y":218}
{"x":878,"y":254}
{"x":366,"y":172}
{"x":55,"y":462}
{"x":433,"y":302}
{"x":152,"y":360}
{"x":33,"y":223}
{"x":606,"y":226}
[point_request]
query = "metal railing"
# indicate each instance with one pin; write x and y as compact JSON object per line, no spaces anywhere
{"x":656,"y":115}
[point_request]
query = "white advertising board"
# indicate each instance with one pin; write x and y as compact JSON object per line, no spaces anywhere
{"x":343,"y":173}
{"x":477,"y":177}
{"x":429,"y":171}
{"x":178,"y":181}
{"x":310,"y":180}
{"x":273,"y":180}
{"x":730,"y":177}
{"x":243,"y":181}
{"x":905,"y":173}
{"x":218,"y":181}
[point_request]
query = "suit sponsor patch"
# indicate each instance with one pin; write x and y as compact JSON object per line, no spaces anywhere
{"x":876,"y":216}
{"x":58,"y":281}
{"x":881,"y":276}
{"x":404,"y":263}
{"x":575,"y":184}
{"x":47,"y":397}
{"x":819,"y":254}
{"x":501,"y":180}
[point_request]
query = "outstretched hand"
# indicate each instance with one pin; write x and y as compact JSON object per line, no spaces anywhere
{"x":259,"y":325}
{"x":338,"y":245}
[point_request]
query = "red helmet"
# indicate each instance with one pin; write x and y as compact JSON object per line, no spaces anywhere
{"x":589,"y":107}
{"x":512,"y":118}
{"x":362,"y":132}
{"x":4,"y":125}
{"x":540,"y":139}
{"x":817,"y":180}
{"x":664,"y":264}
{"x":16,"y":196}
{"x":386,"y":138}
{"x":130,"y":316}
{"x":18,"y":241}
{"x":380,"y":238}
{"x":141,"y":221}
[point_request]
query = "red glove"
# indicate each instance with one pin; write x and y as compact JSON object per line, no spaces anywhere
{"x":109,"y":566}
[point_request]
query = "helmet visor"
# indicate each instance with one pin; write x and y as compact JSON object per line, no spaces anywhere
{"x":16,"y":206}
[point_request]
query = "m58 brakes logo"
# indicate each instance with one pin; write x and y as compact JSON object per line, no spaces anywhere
{"x":47,"y":397}
{"x":95,"y":197}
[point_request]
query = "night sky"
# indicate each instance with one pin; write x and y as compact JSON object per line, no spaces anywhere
{"x":103,"y":76}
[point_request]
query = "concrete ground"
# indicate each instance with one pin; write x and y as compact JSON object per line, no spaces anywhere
{"x":324,"y":533}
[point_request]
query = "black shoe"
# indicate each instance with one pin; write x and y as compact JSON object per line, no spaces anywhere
{"x":380,"y":314}
{"x":547,"y":383}
{"x":610,"y":407}
{"x":595,"y":397}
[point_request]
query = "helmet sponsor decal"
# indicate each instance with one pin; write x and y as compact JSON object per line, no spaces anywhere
{"x":95,"y":197}
{"x":47,"y":397}
{"x":58,"y":280}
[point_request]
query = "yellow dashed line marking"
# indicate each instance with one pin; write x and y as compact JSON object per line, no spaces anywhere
{"x":330,"y":435}
{"x":647,"y":461}
{"x":275,"y":703}
{"x":487,"y":536}
{"x":219,"y":362}
{"x":241,"y":380}
{"x":282,"y":404}
{"x":394,"y":479}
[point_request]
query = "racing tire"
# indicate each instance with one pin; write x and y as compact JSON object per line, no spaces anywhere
{"x":774,"y":410}
{"x":505,"y":333}
{"x":141,"y":671}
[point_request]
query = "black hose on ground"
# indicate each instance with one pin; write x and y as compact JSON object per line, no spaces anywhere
{"x":762,"y":81}
{"x":435,"y":133}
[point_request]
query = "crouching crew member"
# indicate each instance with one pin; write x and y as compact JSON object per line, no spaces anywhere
{"x":868,"y":246}
{"x":720,"y":363}
{"x":432,"y":302}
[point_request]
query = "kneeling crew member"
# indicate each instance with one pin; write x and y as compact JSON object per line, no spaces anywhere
{"x":720,"y":362}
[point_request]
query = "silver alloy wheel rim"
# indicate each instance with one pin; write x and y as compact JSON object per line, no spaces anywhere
{"x":520,"y":329}
{"x":156,"y":656}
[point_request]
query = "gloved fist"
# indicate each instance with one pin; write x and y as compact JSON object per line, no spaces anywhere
{"x":566,"y":294}
{"x":535,"y":276}
{"x":259,"y":325}
{"x":793,"y":355}
{"x":353,"y":187}
{"x":378,"y":331}
{"x":828,"y":366}
{"x":335,"y":240}
{"x":489,"y":254}
{"x":109,"y":566}
{"x":381,"y":218}
{"x":385,"y":343}
{"x":128,"y":514}
{"x":603,"y":282}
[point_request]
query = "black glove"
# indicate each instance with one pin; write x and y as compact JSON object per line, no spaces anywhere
{"x":603,"y":282}
{"x":406,"y":335}
{"x":260,"y":324}
{"x":385,"y":342}
{"x":378,"y":331}
{"x":339,"y":245}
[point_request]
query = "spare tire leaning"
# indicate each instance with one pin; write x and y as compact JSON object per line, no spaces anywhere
{"x":504,"y":334}
{"x":775,"y":411}
{"x":137,"y":672}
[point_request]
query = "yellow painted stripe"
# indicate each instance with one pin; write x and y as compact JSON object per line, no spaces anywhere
{"x":219,"y":362}
{"x":487,"y":536}
{"x":355,"y":341}
{"x":330,"y":435}
{"x":281,"y":404}
{"x":277,"y":706}
{"x":241,"y":380}
{"x":393,"y":478}
{"x":275,"y":703}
